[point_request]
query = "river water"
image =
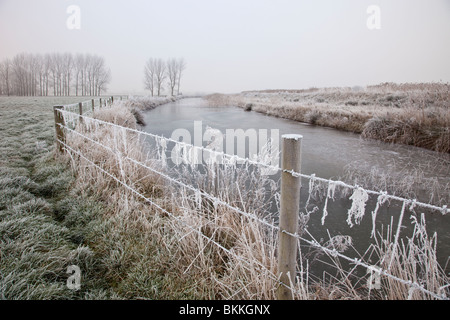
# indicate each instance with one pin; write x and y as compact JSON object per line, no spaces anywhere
{"x":327,"y":153}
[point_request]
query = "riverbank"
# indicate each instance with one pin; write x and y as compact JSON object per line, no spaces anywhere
{"x":411,"y":114}
{"x":46,"y":222}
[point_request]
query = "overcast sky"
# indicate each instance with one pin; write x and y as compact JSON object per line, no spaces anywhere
{"x":236,"y":45}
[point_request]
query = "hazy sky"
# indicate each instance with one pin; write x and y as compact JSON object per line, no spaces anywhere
{"x":236,"y":45}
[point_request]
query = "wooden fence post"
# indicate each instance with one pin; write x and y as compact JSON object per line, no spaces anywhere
{"x":80,"y":107}
{"x":289,"y":210}
{"x":93,"y":105}
{"x":112,"y":100}
{"x":59,"y":121}
{"x":100,"y":103}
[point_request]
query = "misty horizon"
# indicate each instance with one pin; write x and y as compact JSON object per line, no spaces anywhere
{"x":240,"y":46}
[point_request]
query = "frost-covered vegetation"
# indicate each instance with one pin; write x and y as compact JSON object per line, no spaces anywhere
{"x":56,"y":212}
{"x":45,"y":221}
{"x":412,"y":114}
{"x":56,"y":74}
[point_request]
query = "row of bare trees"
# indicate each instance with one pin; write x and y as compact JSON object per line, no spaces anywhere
{"x":58,"y":74}
{"x":158,"y":71}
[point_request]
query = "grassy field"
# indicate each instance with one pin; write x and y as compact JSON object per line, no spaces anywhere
{"x":412,"y":114}
{"x":45,"y":223}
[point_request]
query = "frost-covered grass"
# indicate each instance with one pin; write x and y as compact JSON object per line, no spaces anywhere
{"x":412,"y":114}
{"x":45,"y":222}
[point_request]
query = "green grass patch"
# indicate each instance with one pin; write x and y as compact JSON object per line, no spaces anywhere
{"x":44,"y":224}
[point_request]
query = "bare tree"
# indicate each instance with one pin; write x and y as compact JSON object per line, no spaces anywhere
{"x":174,"y":71}
{"x":78,"y":69}
{"x":33,"y":74}
{"x":160,"y":74}
{"x":149,"y":75}
{"x":156,"y":71}
{"x":5,"y":71}
{"x":104,"y":77}
{"x":33,"y":71}
{"x":181,"y":66}
{"x":47,"y":63}
{"x":19,"y":74}
{"x":56,"y":69}
{"x":100,"y":75}
{"x":68,"y":66}
{"x":85,"y":74}
{"x":172,"y":74}
{"x":39,"y":74}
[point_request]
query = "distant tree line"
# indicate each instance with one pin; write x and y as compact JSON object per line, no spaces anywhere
{"x":58,"y":74}
{"x":158,"y":72}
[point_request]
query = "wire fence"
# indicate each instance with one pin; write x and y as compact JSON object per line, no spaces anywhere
{"x":72,"y":121}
